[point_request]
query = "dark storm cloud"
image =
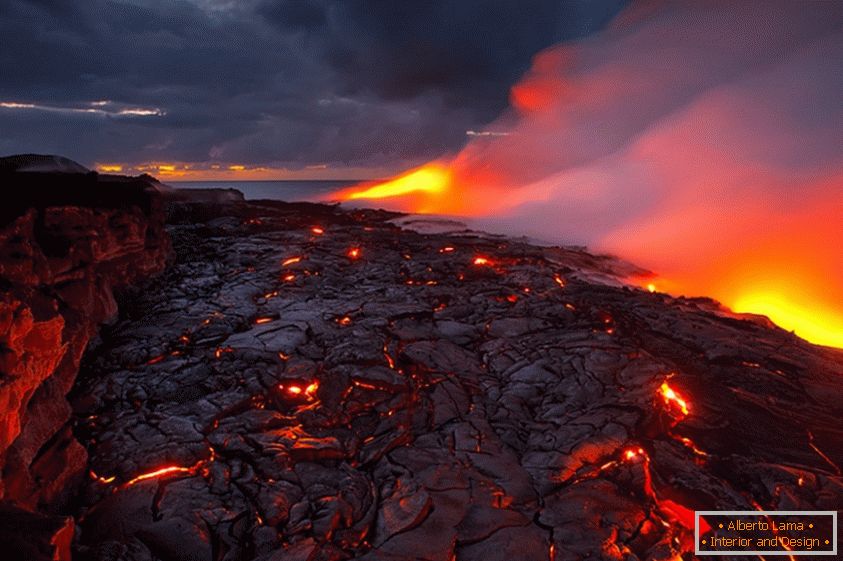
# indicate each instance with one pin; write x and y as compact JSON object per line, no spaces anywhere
{"x":295,"y":82}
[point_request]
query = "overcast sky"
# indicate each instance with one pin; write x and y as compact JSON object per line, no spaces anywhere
{"x":352,"y":84}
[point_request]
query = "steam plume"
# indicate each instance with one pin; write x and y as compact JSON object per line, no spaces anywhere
{"x":701,"y":140}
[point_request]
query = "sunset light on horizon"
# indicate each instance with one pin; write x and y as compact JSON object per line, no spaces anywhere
{"x":182,"y":171}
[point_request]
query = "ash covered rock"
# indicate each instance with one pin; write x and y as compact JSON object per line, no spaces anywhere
{"x":311,"y":383}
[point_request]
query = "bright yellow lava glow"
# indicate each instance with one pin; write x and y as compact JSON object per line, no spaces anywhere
{"x":795,"y":306}
{"x":429,"y":179}
{"x":158,"y":473}
{"x":670,"y":396}
{"x":813,"y":324}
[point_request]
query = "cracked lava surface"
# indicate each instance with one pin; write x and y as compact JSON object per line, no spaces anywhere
{"x":307,"y":383}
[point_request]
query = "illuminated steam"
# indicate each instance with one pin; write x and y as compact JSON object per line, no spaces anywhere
{"x":700,"y":140}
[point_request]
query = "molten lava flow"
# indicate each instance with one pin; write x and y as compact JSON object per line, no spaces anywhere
{"x":821,"y":454}
{"x":482,"y":261}
{"x":682,"y":514}
{"x":672,"y":399}
{"x":667,"y":508}
{"x":364,"y":385}
{"x":633,"y":453}
{"x":692,"y":446}
{"x":812,"y":322}
{"x":169,"y":470}
{"x":317,"y":230}
{"x":290,"y":261}
{"x":297,"y":390}
{"x":718,"y":178}
{"x":389,"y":360}
{"x":155,"y":360}
{"x":354,"y":253}
{"x":427,"y":183}
{"x":100,"y":479}
{"x":220,"y":350}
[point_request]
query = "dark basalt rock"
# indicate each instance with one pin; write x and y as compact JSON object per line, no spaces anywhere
{"x":405,"y":403}
{"x":275,"y":396}
{"x":34,"y":537}
{"x":68,"y":240}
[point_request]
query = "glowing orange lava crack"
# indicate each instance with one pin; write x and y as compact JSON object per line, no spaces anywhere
{"x":308,"y":391}
{"x":672,"y":399}
{"x":155,"y":474}
{"x":160,"y":472}
{"x":101,"y":479}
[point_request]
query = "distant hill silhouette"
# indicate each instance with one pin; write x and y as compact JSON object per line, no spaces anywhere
{"x":47,"y":163}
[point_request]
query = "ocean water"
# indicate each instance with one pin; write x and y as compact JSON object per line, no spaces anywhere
{"x":273,"y":190}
